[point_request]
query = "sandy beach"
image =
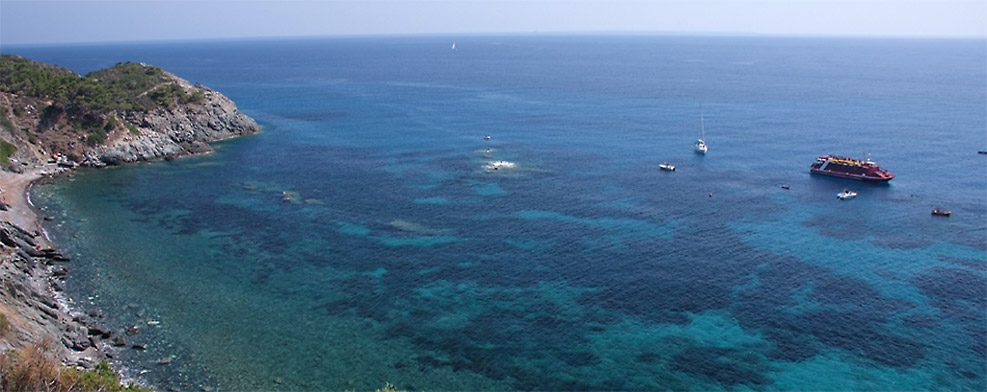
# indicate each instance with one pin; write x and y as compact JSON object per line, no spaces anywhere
{"x":13,"y":191}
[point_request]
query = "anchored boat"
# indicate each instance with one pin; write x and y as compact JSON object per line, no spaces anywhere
{"x":857,"y":169}
{"x":700,"y":145}
{"x":846,"y":194}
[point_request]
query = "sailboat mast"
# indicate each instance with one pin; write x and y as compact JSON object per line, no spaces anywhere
{"x":702,"y":123}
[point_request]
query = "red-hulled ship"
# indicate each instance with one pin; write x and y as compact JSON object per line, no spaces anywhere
{"x":837,"y":166}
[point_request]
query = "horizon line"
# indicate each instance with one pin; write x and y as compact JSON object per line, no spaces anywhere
{"x":496,"y":34}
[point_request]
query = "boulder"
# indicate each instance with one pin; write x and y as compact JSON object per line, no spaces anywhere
{"x":119,"y":339}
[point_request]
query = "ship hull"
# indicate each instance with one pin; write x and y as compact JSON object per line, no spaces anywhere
{"x":850,"y":176}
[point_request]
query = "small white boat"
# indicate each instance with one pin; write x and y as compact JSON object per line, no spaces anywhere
{"x":453,"y":46}
{"x":846,"y":194}
{"x":666,"y":166}
{"x":700,"y":145}
{"x":497,"y":165}
{"x":486,"y":137}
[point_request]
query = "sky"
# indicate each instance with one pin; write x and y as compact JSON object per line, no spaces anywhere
{"x":48,"y":21}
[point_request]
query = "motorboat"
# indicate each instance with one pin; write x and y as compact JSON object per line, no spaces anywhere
{"x":666,"y":166}
{"x":846,"y":194}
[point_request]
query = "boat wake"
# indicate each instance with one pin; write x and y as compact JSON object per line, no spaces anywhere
{"x":498,"y":165}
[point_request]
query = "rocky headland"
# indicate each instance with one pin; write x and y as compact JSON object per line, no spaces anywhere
{"x":53,"y":120}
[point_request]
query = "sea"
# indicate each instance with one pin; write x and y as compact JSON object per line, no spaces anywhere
{"x":365,"y":237}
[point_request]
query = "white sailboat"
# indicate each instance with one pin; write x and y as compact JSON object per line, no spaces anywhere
{"x":453,"y":46}
{"x":700,"y":145}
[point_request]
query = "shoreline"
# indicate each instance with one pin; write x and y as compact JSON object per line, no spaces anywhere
{"x":33,"y":304}
{"x":13,"y":192}
{"x":33,"y":272}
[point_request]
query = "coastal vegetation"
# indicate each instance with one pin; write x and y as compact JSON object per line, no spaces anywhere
{"x":35,"y":368}
{"x":6,"y":150}
{"x":124,"y":86}
{"x":4,"y":325}
{"x":5,"y":119}
{"x":125,"y":113}
{"x":89,"y":105}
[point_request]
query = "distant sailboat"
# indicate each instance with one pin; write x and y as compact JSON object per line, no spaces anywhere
{"x":453,"y":46}
{"x":700,"y":145}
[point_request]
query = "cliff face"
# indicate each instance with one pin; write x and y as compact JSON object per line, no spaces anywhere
{"x":127,"y":113}
{"x":183,"y":130}
{"x":29,"y":279}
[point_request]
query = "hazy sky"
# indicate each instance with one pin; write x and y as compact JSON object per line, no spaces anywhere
{"x":41,"y":21}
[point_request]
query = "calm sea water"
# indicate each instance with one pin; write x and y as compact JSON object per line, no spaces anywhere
{"x":400,"y":259}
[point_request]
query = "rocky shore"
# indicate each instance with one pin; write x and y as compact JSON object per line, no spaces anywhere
{"x":32,"y":276}
{"x":32,"y":271}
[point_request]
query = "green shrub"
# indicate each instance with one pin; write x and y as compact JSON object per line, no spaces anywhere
{"x":5,"y":120}
{"x":4,"y":325}
{"x":111,"y":124}
{"x":6,"y":150}
{"x":133,"y":129}
{"x":96,"y":136}
{"x":49,"y":116}
{"x":194,"y":97}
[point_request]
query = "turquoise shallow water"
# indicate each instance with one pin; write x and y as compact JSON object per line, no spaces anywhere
{"x":402,"y":259}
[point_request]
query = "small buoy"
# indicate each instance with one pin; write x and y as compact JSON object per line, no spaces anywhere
{"x":711,"y":194}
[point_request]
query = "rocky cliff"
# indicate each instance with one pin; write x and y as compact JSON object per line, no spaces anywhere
{"x":186,"y":129}
{"x":30,"y":277}
{"x":127,"y":113}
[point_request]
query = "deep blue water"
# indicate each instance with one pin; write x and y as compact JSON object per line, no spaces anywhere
{"x":402,"y":259}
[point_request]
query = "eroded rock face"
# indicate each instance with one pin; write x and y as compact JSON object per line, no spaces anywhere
{"x":183,"y":130}
{"x":166,"y":131}
{"x":28,"y":301}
